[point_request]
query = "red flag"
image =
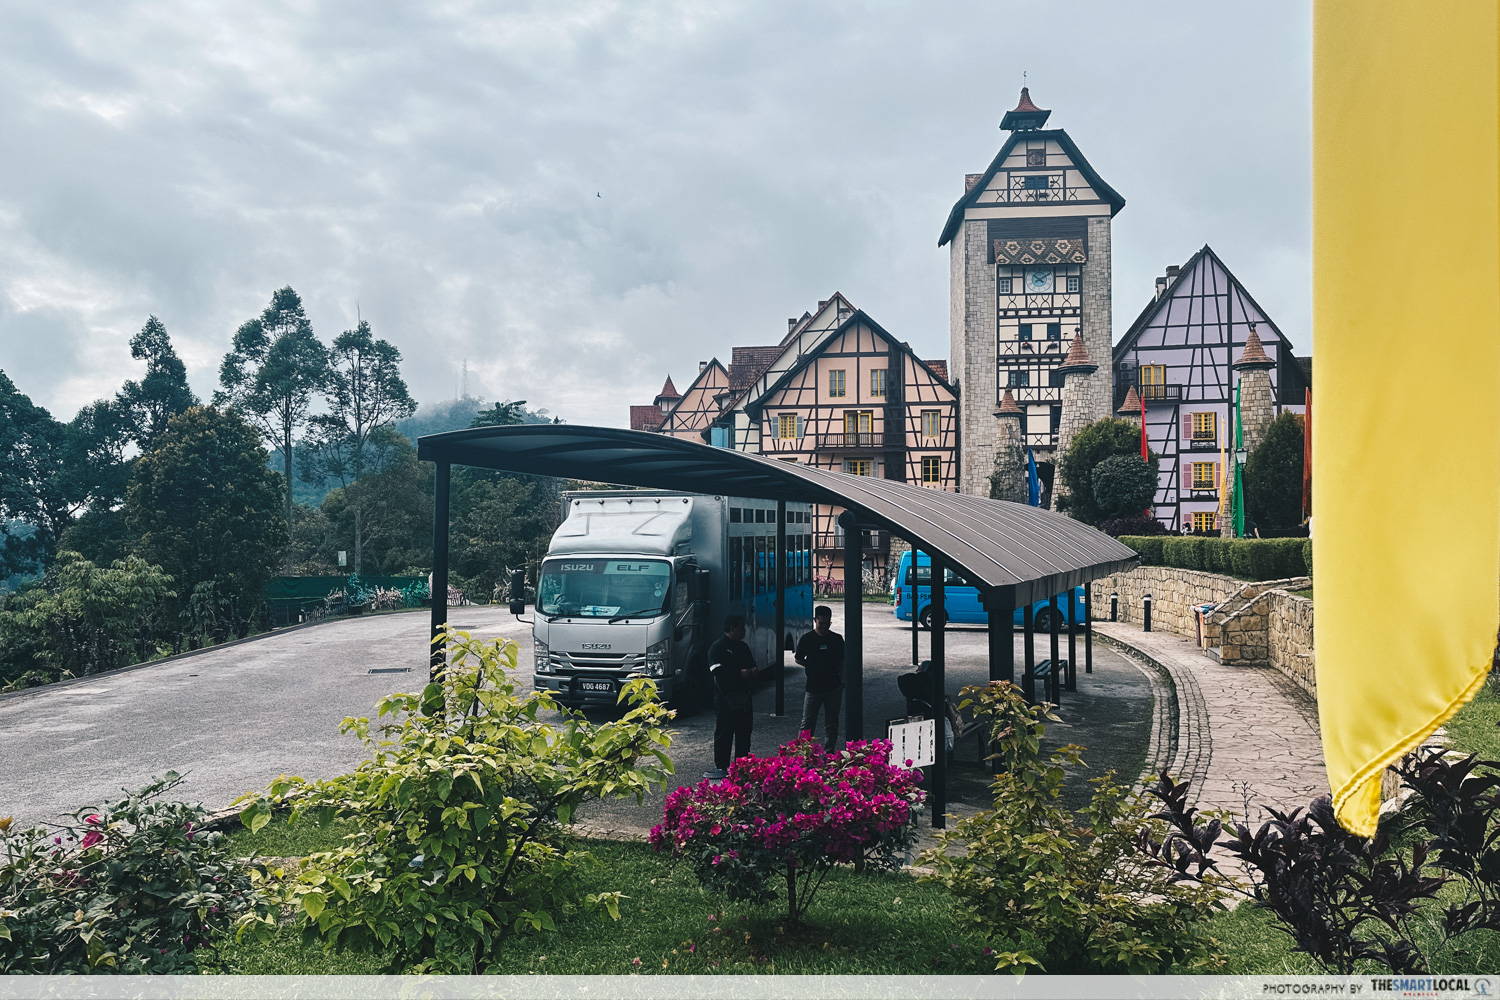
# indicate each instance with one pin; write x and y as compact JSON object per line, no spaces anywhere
{"x":1145,"y":457}
{"x":1307,"y":453}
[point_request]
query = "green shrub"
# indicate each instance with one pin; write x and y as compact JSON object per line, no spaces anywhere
{"x":1124,"y":485}
{"x":1149,"y":547}
{"x":1216,"y":555}
{"x":458,"y":816}
{"x":134,"y":886}
{"x":1093,"y":444}
{"x":1184,"y":553}
{"x":1307,"y":562}
{"x":1063,"y":892}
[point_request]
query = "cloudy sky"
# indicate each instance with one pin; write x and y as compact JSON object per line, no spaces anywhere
{"x":578,"y":198}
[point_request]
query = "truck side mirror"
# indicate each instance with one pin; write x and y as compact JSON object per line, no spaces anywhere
{"x":518,"y":592}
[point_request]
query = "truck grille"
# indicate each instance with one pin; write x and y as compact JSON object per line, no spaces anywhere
{"x":596,"y":661}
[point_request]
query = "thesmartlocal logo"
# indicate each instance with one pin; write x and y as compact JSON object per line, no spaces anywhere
{"x":1432,"y":986}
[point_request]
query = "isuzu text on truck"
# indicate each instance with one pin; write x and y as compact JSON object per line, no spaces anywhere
{"x":639,"y":581}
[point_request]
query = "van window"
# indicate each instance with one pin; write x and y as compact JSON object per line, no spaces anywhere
{"x":951,"y":578}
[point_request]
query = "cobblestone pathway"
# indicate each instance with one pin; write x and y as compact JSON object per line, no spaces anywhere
{"x":1242,"y":734}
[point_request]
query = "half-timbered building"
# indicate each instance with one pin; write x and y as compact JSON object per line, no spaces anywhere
{"x":1179,"y":358}
{"x":838,"y":392}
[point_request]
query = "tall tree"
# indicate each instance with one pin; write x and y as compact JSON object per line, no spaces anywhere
{"x":205,"y":506}
{"x":365,"y":394}
{"x":1273,"y":475}
{"x":1093,"y":444}
{"x":32,"y":485}
{"x":163,"y":393}
{"x":271,"y":373}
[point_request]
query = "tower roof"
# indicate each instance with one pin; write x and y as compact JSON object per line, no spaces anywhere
{"x":668,"y":390}
{"x":1132,"y":405}
{"x":1077,"y":359}
{"x":1025,"y":116}
{"x":1008,"y":407}
{"x":1254,"y":356}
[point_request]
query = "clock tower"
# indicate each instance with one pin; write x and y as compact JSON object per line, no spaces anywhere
{"x":1029,"y":270}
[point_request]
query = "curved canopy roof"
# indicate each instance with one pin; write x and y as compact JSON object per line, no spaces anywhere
{"x":992,"y":542}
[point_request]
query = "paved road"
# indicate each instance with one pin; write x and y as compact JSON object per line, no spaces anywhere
{"x":233,"y":719}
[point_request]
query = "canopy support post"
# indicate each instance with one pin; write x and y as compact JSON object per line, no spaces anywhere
{"x":854,"y":633}
{"x":1054,"y":678}
{"x":1088,"y":627}
{"x":780,"y":608}
{"x":939,"y":695}
{"x":1028,"y":642}
{"x":439,"y":588}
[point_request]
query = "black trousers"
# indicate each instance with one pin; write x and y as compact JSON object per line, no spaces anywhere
{"x":736,"y":714}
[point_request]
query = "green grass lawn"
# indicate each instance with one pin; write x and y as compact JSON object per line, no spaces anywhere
{"x":871,"y":924}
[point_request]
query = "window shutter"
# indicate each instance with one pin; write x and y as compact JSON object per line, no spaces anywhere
{"x":1217,"y":483}
{"x":1187,"y":426}
{"x":799,"y":425}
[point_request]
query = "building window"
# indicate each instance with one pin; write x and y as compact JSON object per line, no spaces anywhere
{"x":858,"y":421}
{"x":932,"y":423}
{"x":836,"y":382}
{"x":859,"y":466}
{"x":1054,"y":331}
{"x":1203,"y":475}
{"x":1203,"y":520}
{"x":1023,"y":332}
{"x":1037,"y":182}
{"x":1018,"y":378}
{"x":1056,"y":417}
{"x":1205,"y":426}
{"x":932,"y":471}
{"x":877,"y":383}
{"x":788,"y":426}
{"x":1056,"y":379}
{"x":1074,"y":282}
{"x":1003,"y":285}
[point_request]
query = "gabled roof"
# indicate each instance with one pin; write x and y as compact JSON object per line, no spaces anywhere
{"x":708,"y":368}
{"x":1109,"y":194}
{"x":1155,"y":306}
{"x":747,"y":363}
{"x":752,"y":407}
{"x":939,"y":367}
{"x":794,"y":329}
{"x":645,"y":418}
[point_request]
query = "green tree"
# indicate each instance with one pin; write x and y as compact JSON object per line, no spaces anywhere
{"x":366,"y":395}
{"x":87,"y":618}
{"x":32,"y":485}
{"x":271,"y":374}
{"x":95,"y":469}
{"x":162,"y":393}
{"x":206,"y":509}
{"x":1273,"y":475}
{"x":388,"y":509}
{"x":1123,"y":486}
{"x":1091,"y":445}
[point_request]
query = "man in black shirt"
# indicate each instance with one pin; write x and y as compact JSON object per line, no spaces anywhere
{"x":821,"y":651}
{"x":732,"y":666}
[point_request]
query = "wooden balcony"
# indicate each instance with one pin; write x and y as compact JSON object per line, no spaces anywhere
{"x":866,"y":441}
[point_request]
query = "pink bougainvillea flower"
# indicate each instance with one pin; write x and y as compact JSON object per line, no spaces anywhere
{"x":93,"y":818}
{"x":90,"y":839}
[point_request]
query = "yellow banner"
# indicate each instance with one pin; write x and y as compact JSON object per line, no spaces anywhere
{"x":1406,"y":319}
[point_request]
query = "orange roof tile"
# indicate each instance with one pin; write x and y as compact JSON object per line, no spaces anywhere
{"x":1255,"y":353}
{"x":1078,"y":358}
{"x":1132,"y":405}
{"x":1008,"y":406}
{"x":645,"y":418}
{"x":669,"y":391}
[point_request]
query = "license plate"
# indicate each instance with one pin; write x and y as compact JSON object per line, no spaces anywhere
{"x":596,"y":685}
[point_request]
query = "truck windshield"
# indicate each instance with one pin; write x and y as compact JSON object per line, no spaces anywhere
{"x":604,"y":588}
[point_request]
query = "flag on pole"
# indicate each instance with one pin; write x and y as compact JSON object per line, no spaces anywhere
{"x":1408,"y":579}
{"x":1033,"y":481}
{"x":1145,"y":456}
{"x":1306,"y":453}
{"x":1239,"y":481}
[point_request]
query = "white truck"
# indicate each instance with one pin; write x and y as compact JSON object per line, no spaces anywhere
{"x":640,"y":581}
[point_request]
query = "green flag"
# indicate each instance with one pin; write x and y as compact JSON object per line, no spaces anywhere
{"x":1239,"y":481}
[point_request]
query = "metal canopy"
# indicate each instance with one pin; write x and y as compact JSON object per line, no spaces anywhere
{"x":1030,"y":551}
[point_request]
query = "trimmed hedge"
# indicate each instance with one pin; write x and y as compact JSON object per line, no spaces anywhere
{"x":1251,"y":558}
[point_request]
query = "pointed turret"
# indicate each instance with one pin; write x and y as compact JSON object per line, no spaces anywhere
{"x":668,"y":395}
{"x":1132,"y":405}
{"x":1008,"y":406}
{"x":1025,"y":116}
{"x":1077,"y":359}
{"x":1254,"y":356}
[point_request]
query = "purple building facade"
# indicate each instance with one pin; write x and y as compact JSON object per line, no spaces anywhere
{"x":1178,"y":355}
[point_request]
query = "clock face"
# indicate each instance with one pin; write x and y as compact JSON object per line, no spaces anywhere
{"x":1039,"y":279}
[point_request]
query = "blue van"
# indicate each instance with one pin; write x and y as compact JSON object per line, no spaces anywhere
{"x":961,"y":600}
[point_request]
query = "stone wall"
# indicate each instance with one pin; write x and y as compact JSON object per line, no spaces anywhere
{"x":1290,"y":636}
{"x":1174,"y":594}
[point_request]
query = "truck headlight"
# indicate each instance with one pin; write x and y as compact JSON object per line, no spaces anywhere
{"x":658,"y":656}
{"x":542,"y":656}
